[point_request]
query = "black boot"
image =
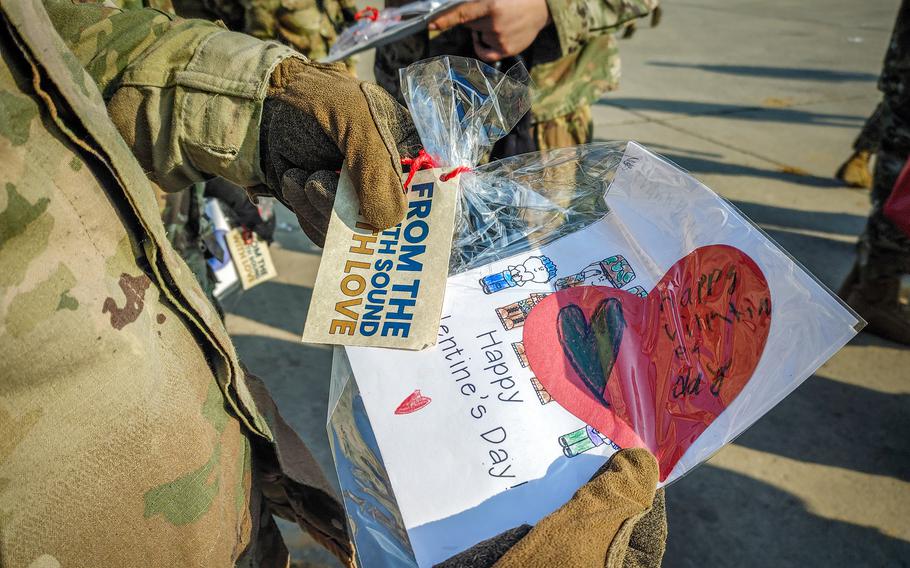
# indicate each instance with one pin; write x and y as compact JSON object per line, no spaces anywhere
{"x":880,"y":292}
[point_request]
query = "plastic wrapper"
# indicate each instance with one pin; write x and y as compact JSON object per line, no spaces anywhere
{"x":375,"y":28}
{"x":599,"y":297}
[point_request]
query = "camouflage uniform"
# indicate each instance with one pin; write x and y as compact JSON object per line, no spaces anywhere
{"x":573,"y":62}
{"x":309,"y":26}
{"x":131,"y":434}
{"x":183,"y":212}
{"x":879,"y":286}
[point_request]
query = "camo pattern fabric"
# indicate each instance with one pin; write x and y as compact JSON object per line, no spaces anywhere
{"x":886,"y":245}
{"x":132,"y":436}
{"x":183,"y":212}
{"x":573,"y":62}
{"x":571,"y":129}
{"x":309,"y":26}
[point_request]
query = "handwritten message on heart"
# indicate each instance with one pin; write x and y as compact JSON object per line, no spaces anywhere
{"x":656,"y":371}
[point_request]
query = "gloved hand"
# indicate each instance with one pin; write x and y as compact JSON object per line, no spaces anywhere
{"x":316,"y":116}
{"x":616,"y":520}
{"x":240,"y":209}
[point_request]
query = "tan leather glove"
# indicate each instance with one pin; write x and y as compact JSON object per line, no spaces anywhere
{"x":316,"y":116}
{"x":616,"y":520}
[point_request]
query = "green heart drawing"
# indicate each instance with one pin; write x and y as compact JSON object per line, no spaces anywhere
{"x":592,"y":347}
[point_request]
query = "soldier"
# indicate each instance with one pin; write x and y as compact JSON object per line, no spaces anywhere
{"x":132,"y":435}
{"x":878,"y":286}
{"x":568,"y":47}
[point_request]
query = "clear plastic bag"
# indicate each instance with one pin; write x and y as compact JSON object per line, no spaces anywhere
{"x":607,"y":240}
{"x":376,"y":28}
{"x":461,"y":107}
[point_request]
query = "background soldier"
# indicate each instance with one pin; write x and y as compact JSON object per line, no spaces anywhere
{"x":132,"y":435}
{"x":568,"y":47}
{"x":309,"y":26}
{"x":878,"y":286}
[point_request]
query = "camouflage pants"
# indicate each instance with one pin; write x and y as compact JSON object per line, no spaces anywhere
{"x":572,"y":129}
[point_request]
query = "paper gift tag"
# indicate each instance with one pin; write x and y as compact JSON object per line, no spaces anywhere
{"x":384,"y":288}
{"x":252,"y":259}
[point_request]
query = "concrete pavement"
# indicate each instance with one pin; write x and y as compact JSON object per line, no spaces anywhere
{"x":761,"y":101}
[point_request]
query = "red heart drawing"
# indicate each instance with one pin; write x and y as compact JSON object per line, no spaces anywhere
{"x":654,"y":372}
{"x":414,"y":402}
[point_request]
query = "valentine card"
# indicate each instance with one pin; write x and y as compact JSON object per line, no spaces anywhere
{"x":672,"y":323}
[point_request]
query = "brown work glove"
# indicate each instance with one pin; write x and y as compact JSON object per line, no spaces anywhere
{"x":316,"y":116}
{"x":617,"y":520}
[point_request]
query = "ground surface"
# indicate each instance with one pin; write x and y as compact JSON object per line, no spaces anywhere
{"x":760,"y":99}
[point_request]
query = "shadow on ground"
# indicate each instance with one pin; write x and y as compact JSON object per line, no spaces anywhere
{"x":275,"y":304}
{"x":712,"y":515}
{"x":825,"y":413}
{"x":835,"y":223}
{"x":712,"y":163}
{"x":699,"y":164}
{"x":735,"y":112}
{"x":768,"y":72}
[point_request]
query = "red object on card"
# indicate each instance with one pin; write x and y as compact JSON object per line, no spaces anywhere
{"x":897,"y":207}
{"x":369,"y":12}
{"x":654,"y":372}
{"x":413,"y":403}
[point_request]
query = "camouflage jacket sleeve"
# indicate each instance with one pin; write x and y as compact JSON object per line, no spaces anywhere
{"x":187,"y":95}
{"x":577,"y":21}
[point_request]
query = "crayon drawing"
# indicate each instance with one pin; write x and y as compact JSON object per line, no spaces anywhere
{"x":583,"y":440}
{"x":542,"y":395}
{"x":539,"y":269}
{"x":519,"y":348}
{"x":514,"y":315}
{"x":614,"y":270}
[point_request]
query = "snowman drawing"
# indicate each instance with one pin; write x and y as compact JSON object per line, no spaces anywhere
{"x":539,"y":269}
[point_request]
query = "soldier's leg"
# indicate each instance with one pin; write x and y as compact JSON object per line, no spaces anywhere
{"x":879,"y":285}
{"x":572,"y":129}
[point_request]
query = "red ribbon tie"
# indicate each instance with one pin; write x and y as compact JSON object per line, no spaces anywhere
{"x":424,"y":161}
{"x":369,"y":13}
